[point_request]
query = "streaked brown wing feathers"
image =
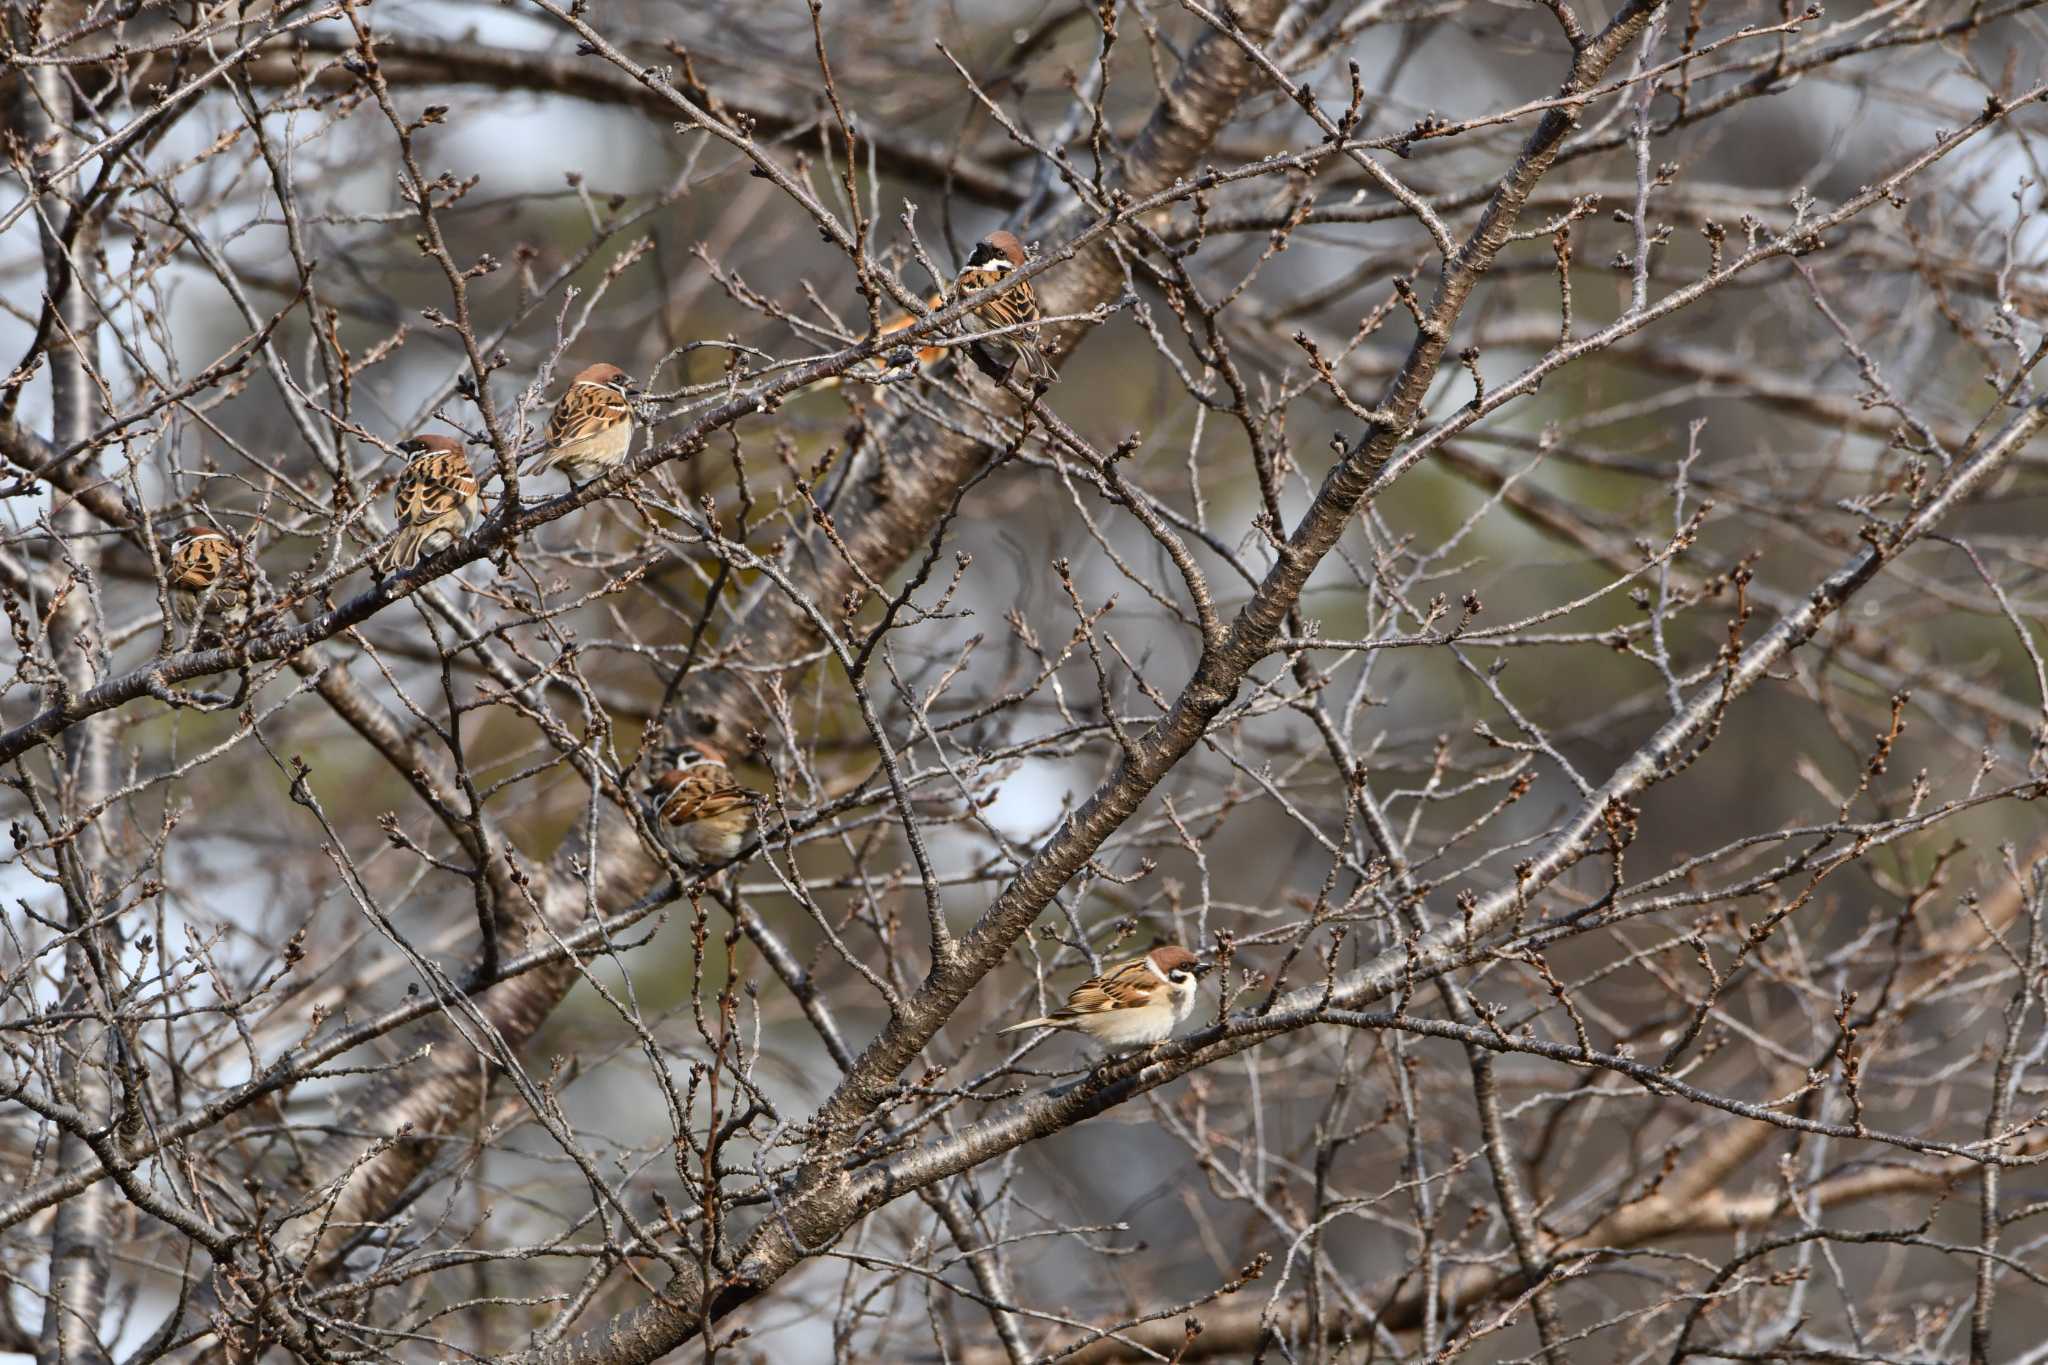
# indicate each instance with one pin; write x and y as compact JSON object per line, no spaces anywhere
{"x":192,"y":575}
{"x":1008,"y":310}
{"x":1127,"y":984}
{"x":198,"y":562}
{"x":433,"y":487}
{"x":699,"y":793}
{"x":585,"y":410}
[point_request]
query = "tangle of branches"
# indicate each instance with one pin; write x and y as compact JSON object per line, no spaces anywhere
{"x":1450,"y":621}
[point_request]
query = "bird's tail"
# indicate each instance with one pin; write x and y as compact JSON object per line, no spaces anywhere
{"x":1035,"y":364}
{"x":1046,"y":1021}
{"x":408,"y":547}
{"x":542,"y":460}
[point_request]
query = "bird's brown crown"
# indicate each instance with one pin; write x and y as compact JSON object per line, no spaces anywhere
{"x":603,"y":373}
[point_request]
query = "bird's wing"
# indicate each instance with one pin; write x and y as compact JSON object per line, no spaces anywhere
{"x":702,"y":792}
{"x":198,"y":563}
{"x":586,"y":410}
{"x":433,"y":487}
{"x":1124,"y":986}
{"x":1007,"y":309}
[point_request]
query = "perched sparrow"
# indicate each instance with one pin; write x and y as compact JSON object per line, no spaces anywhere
{"x":204,"y":569}
{"x":592,"y":427}
{"x":878,"y":367}
{"x":1138,"y":1003}
{"x":927,"y":356}
{"x":436,"y":500}
{"x":705,"y":816}
{"x":995,"y":256}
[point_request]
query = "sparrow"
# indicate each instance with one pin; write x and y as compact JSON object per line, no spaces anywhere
{"x":205,"y":570}
{"x":927,"y":356}
{"x":995,"y":256}
{"x":591,"y":429}
{"x":703,"y":814}
{"x":878,"y":367}
{"x":1138,"y":1003}
{"x":436,"y":500}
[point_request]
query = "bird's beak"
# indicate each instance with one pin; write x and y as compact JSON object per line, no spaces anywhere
{"x":1203,"y":967}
